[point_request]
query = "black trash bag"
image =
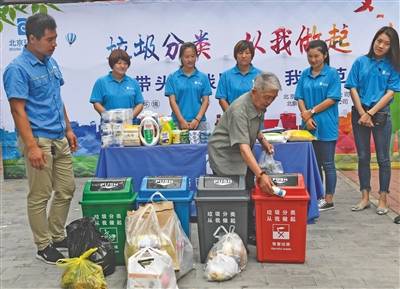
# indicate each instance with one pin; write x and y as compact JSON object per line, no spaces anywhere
{"x":82,"y":235}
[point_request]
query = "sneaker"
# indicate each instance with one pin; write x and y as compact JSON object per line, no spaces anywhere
{"x":321,"y":202}
{"x":326,"y":206}
{"x":251,"y":240}
{"x":61,"y":245}
{"x":49,"y":255}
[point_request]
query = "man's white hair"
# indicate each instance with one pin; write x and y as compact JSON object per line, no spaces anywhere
{"x":267,"y":81}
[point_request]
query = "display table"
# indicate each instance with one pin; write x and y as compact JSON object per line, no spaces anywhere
{"x":190,"y":160}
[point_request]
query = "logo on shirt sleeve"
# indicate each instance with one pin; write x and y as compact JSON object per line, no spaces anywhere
{"x":384,"y":72}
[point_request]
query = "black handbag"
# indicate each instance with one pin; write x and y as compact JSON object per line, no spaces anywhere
{"x":380,"y":118}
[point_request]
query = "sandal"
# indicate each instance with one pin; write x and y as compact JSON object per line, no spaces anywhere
{"x":360,"y":207}
{"x":382,"y":211}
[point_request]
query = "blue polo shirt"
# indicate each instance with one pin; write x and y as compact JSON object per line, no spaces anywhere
{"x":113,"y":94}
{"x":38,"y":83}
{"x":233,"y":83}
{"x":188,"y":91}
{"x":315,"y":89}
{"x":372,"y":78}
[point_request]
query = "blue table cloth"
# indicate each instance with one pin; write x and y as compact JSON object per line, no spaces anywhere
{"x":190,"y":160}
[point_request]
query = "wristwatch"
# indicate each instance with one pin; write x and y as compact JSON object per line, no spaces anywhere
{"x":262,"y":173}
{"x":312,"y":111}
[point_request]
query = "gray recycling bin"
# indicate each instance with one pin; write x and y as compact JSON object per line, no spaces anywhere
{"x":220,"y":201}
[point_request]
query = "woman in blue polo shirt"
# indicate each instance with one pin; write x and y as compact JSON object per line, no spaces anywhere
{"x":116,"y":89}
{"x":373,"y":80}
{"x":239,"y":79}
{"x":188,"y":91}
{"x":318,"y":94}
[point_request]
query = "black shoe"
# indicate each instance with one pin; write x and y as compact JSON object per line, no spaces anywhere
{"x":49,"y":255}
{"x":61,"y":244}
{"x":251,"y":240}
{"x":326,"y":206}
{"x":397,"y":219}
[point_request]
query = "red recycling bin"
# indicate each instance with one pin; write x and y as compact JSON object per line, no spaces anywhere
{"x":281,"y":223}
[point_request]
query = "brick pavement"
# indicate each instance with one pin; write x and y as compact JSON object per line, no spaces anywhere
{"x":393,"y":197}
{"x":344,"y":250}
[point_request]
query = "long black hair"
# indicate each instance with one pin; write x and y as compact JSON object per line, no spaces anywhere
{"x":321,"y":46}
{"x":394,"y":52}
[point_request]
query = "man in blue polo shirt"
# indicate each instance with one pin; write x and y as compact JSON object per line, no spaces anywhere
{"x":239,"y":79}
{"x":32,"y":83}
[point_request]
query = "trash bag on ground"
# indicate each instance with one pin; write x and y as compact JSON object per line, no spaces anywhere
{"x":83,"y":235}
{"x":81,"y":273}
{"x":227,"y":257}
{"x":156,"y":225}
{"x":151,"y":268}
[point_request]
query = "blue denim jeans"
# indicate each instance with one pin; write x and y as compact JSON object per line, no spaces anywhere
{"x":362,"y":139}
{"x":325,"y":154}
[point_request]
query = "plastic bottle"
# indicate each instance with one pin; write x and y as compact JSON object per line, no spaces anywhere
{"x":166,"y":132}
{"x":149,"y":131}
{"x":278,"y":191}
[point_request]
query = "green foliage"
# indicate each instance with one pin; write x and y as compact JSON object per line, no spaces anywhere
{"x":84,"y":166}
{"x":8,"y":13}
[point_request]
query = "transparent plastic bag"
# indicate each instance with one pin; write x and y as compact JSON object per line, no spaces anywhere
{"x":142,"y":230}
{"x":81,"y":273}
{"x":221,"y":268}
{"x":269,"y":164}
{"x":227,"y":257}
{"x":170,"y":225}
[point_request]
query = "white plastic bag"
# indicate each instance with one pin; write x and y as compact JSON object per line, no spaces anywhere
{"x":221,"y":267}
{"x":150,"y":268}
{"x":227,"y":257}
{"x":269,"y":165}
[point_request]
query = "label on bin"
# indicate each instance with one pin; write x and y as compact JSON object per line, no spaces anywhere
{"x":221,"y":182}
{"x":285,"y":180}
{"x":164,"y":183}
{"x":281,"y":231}
{"x":107,"y":186}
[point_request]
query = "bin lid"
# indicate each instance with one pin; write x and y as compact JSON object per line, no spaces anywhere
{"x":107,"y":185}
{"x":224,"y":186}
{"x":225,"y":199}
{"x":287,"y":180}
{"x":164,"y":183}
{"x":108,"y":189}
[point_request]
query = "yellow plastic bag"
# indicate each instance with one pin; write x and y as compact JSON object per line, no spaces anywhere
{"x":298,"y":135}
{"x":81,"y":273}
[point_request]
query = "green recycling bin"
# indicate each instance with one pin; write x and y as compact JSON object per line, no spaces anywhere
{"x":107,"y":201}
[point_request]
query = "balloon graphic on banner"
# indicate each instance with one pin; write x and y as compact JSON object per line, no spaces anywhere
{"x":70,"y":37}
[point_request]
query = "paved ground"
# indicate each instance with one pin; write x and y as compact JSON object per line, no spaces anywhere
{"x":344,"y":250}
{"x":393,"y":197}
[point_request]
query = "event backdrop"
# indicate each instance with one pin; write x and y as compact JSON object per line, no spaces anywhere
{"x":152,"y":31}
